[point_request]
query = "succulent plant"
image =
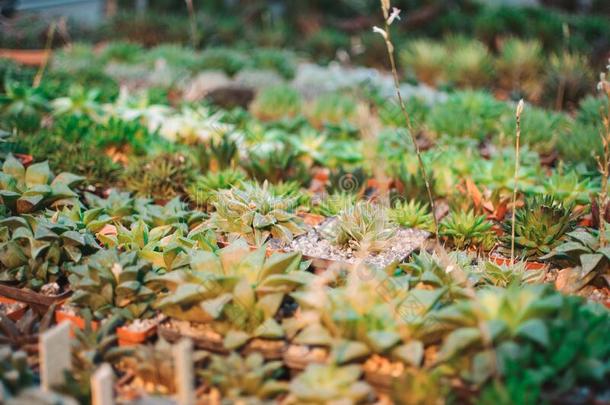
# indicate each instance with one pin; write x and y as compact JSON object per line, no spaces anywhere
{"x":256,"y":214}
{"x":511,"y":335}
{"x":121,"y":51}
{"x":15,"y":374}
{"x":204,"y":189}
{"x":23,"y":334}
{"x":119,"y":206}
{"x":543,"y":129}
{"x":112,"y":282}
{"x":22,"y":106}
{"x":274,"y":159}
{"x":291,"y":189}
{"x":540,"y":226}
{"x":354,"y":320}
{"x":497,"y":173}
{"x":237,"y":290}
{"x":467,"y":230}
{"x":79,"y":102}
{"x":72,"y":155}
{"x":163,"y":177}
{"x":584,"y":258}
{"x":118,"y":136}
{"x":492,"y":320}
{"x":467,"y":114}
{"x":276,"y":102}
{"x":334,"y":203}
{"x":580,"y":145}
{"x":470,"y":63}
{"x":175,"y":213}
{"x":363,"y":226}
{"x":519,"y":67}
{"x":36,"y":250}
{"x":445,"y":273}
{"x":153,"y":368}
{"x":246,"y":379}
{"x":279,"y":60}
{"x":27,"y":190}
{"x":228,"y":60}
{"x":411,"y":185}
{"x":568,"y":186}
{"x":332,"y":108}
{"x":568,"y":78}
{"x":346,"y":180}
{"x":412,"y":214}
{"x":500,"y":275}
{"x":427,"y":60}
{"x":90,"y":348}
{"x":390,"y":113}
{"x":320,"y":384}
{"x":556,"y":372}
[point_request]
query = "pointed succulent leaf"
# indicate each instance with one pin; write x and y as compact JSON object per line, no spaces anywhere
{"x":411,"y":353}
{"x":458,"y":340}
{"x":589,"y":262}
{"x":346,"y":351}
{"x":235,"y":339}
{"x":38,"y":173}
{"x":269,"y":329}
{"x":535,"y":330}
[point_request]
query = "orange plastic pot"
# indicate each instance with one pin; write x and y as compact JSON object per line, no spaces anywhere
{"x":16,"y":314}
{"x":76,"y":321}
{"x":30,"y":57}
{"x":128,"y":337}
{"x":504,"y":261}
{"x":311,"y":219}
{"x":25,"y":160}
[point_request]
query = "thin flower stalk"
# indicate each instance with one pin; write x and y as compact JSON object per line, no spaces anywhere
{"x":516,"y":178}
{"x":603,"y":162}
{"x":389,"y":18}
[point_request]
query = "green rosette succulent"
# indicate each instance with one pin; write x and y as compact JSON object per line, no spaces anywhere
{"x":236,"y":290}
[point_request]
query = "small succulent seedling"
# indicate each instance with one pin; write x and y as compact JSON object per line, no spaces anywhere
{"x":466,"y":229}
{"x":363,"y":226}
{"x":412,"y":214}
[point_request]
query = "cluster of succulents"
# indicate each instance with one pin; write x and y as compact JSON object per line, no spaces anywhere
{"x":256,"y":214}
{"x":25,"y":190}
{"x":112,"y":282}
{"x":363,"y":226}
{"x":35,"y":251}
{"x":162,"y":177}
{"x":239,"y":291}
{"x":197,"y":173}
